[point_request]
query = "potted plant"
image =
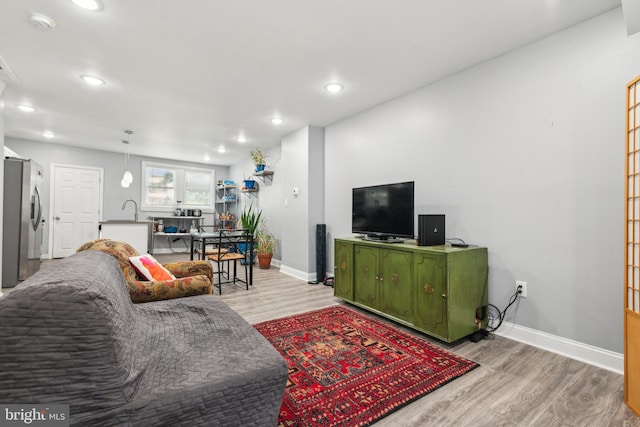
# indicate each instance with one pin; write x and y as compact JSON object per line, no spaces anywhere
{"x":258,"y":159}
{"x":249,"y":185}
{"x":266,"y":244}
{"x":250,"y":219}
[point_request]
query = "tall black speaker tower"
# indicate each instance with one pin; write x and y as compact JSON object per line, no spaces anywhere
{"x":321,"y":252}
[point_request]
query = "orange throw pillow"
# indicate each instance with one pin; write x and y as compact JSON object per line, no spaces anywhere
{"x":150,"y":269}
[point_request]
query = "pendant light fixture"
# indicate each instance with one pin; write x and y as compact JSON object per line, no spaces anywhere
{"x":127,"y":178}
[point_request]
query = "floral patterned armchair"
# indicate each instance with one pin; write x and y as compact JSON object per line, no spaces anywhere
{"x":192,"y":277}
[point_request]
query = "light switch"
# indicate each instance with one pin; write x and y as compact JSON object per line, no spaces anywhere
{"x":296,"y":191}
{"x":286,"y":203}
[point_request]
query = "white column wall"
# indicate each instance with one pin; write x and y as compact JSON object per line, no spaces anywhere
{"x":302,"y":169}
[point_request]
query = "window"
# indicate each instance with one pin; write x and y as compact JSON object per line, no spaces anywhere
{"x":165,"y":187}
{"x":159,"y":186}
{"x":198,"y":188}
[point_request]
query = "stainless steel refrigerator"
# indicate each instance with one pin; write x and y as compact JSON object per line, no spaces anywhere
{"x":22,"y":222}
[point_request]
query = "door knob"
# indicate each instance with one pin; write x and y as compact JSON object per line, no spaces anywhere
{"x":57,"y":218}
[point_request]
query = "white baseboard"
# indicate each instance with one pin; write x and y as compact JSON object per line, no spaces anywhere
{"x":298,"y":274}
{"x":586,"y":353}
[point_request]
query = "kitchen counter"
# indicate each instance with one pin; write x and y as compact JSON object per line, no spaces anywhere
{"x":125,"y":221}
{"x":136,"y":233}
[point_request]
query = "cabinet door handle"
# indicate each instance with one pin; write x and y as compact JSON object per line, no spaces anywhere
{"x":381,"y":278}
{"x":444,"y":295}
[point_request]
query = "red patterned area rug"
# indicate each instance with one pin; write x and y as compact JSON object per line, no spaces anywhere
{"x":348,"y":369}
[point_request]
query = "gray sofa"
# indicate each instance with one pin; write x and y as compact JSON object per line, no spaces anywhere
{"x":70,"y":334}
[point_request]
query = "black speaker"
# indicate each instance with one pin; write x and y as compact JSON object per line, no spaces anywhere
{"x":321,"y":252}
{"x":431,"y":230}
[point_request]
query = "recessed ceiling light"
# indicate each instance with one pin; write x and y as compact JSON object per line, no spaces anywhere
{"x":277,"y":121}
{"x":93,"y":5}
{"x":206,"y":158}
{"x":42,"y":22}
{"x":221,"y":149}
{"x":92,"y":80}
{"x":48,"y":134}
{"x":241,"y":138}
{"x":26,"y":108}
{"x":334,"y":87}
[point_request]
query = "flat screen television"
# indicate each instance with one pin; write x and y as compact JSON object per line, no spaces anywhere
{"x":383,"y":212}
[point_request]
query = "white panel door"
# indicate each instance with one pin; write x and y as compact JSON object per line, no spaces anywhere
{"x":76,"y":207}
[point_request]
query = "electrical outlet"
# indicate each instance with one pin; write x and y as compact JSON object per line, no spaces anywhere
{"x":522,"y":287}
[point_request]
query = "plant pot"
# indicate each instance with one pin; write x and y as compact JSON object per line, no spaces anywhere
{"x":264,"y":260}
{"x":260,"y":168}
{"x":243,"y":248}
{"x":249,"y":184}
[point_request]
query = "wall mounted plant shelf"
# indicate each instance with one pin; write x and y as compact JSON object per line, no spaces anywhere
{"x":264,"y":175}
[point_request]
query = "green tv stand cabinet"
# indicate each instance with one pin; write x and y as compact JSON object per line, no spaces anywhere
{"x":439,"y":290}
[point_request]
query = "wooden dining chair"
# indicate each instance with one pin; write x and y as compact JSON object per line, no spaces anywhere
{"x":231,"y":246}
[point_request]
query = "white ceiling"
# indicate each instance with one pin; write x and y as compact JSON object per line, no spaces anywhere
{"x":188,"y":76}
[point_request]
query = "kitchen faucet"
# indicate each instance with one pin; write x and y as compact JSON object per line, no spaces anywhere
{"x":134,"y":204}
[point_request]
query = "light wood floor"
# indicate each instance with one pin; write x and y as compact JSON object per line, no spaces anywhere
{"x":516,"y":384}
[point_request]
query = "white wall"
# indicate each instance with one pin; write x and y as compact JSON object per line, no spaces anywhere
{"x":525,"y":155}
{"x":114,"y":194}
{"x":269,"y":197}
{"x":315,"y":188}
{"x":296,"y":245}
{"x":302,"y":170}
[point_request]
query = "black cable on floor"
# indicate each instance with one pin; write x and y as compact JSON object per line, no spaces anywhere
{"x":171,"y":241}
{"x":501,"y":314}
